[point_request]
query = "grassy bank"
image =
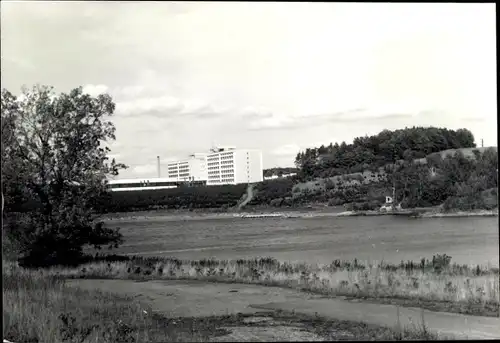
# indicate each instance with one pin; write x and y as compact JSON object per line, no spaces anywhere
{"x":432,"y":284}
{"x":38,"y":307}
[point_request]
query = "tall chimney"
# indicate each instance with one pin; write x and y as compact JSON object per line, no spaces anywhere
{"x":158,"y":166}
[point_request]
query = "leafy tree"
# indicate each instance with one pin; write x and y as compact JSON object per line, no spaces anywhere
{"x":53,"y":151}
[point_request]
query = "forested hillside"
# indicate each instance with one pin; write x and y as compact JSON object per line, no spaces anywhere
{"x":373,"y":152}
{"x":455,"y":181}
{"x":428,"y":167}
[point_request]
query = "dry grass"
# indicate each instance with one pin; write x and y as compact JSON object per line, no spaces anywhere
{"x":38,"y":307}
{"x":452,"y":288}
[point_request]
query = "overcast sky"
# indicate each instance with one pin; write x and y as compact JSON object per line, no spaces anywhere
{"x":274,"y":76}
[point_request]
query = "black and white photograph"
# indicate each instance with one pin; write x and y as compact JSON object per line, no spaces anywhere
{"x":208,"y":171}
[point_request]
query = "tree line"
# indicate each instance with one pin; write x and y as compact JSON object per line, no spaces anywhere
{"x":373,"y":152}
{"x":224,"y":196}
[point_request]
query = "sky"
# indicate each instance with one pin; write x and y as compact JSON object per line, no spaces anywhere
{"x":279,"y":77}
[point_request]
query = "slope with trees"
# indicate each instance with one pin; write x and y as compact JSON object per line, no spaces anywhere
{"x":426,"y":165}
{"x":373,"y":152}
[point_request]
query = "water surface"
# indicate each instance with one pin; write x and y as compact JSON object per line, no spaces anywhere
{"x":472,"y":240}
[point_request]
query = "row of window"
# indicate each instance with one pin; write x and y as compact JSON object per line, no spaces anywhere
{"x":226,"y":163}
{"x":216,"y":176}
{"x":228,"y":167}
{"x":223,"y":181}
{"x":220,"y":157}
{"x":178,"y":164}
{"x":215,"y":163}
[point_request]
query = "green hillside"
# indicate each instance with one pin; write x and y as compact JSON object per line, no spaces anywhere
{"x":347,"y":174}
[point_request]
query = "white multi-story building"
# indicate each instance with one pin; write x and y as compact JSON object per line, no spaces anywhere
{"x":228,"y":165}
{"x":222,"y":165}
{"x":192,"y":169}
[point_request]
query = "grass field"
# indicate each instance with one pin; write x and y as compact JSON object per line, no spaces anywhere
{"x":39,"y":307}
{"x":435,"y":285}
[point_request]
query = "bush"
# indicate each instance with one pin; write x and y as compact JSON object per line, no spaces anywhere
{"x":272,"y":189}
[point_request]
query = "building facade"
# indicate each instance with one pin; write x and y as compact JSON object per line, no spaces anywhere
{"x":192,"y":169}
{"x":221,"y":166}
{"x":228,"y":165}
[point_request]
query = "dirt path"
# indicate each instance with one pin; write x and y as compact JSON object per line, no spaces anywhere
{"x":194,"y":298}
{"x":249,"y":196}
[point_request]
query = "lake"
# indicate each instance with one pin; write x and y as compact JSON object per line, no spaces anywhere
{"x":472,"y":240}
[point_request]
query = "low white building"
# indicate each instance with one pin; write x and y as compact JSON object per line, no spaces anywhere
{"x":141,"y":184}
{"x":193,"y":168}
{"x":274,"y":176}
{"x":228,"y":165}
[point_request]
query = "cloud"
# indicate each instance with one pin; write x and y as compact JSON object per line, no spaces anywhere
{"x":166,"y":106}
{"x":347,"y":70}
{"x":130,"y":91}
{"x":272,"y":122}
{"x":256,"y":112}
{"x":145,"y":170}
{"x":286,"y":150}
{"x":94,"y":90}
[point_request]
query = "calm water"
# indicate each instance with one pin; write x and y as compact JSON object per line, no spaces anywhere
{"x":316,"y":240}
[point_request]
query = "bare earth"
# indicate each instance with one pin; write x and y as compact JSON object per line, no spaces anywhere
{"x":199,"y":299}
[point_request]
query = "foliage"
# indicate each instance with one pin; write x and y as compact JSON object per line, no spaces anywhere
{"x":370,"y":153}
{"x":53,"y":153}
{"x":175,"y":198}
{"x":275,"y":191}
{"x":456,"y":181}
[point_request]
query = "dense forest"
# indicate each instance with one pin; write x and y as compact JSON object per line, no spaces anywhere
{"x":225,"y":196}
{"x":373,"y":152}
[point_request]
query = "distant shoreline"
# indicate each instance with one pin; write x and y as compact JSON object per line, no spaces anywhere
{"x":304,"y":213}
